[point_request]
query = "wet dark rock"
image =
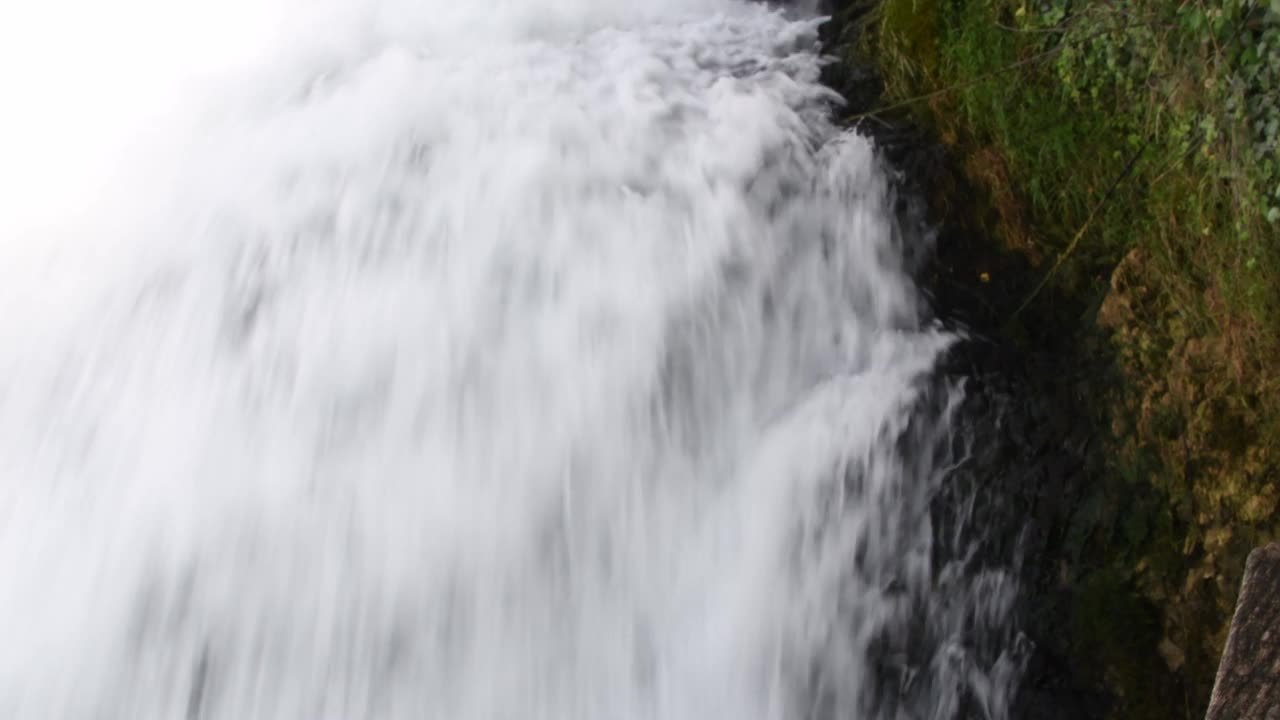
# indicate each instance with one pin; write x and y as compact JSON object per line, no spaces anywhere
{"x":1026,"y":423}
{"x":1029,"y":458}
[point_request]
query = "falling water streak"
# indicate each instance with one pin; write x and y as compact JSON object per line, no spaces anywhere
{"x":551,"y":360}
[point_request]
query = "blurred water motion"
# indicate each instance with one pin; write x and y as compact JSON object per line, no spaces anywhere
{"x":532,"y":359}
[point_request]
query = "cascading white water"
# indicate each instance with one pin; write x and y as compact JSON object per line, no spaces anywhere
{"x":530,"y":359}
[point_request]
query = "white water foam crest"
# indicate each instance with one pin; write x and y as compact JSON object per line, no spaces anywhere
{"x":472,"y":363}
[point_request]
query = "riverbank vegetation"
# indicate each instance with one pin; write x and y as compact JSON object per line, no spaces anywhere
{"x":1127,"y":152}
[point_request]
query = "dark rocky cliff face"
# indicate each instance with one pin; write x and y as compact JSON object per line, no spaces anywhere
{"x":1053,"y":145}
{"x":1144,"y":389}
{"x":1031,"y":432}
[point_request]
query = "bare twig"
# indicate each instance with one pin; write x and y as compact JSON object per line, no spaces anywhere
{"x":952,"y":88}
{"x":988,"y":75}
{"x":1093,"y":213}
{"x":1046,"y":30}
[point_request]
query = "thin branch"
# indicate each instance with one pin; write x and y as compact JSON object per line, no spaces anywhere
{"x":961,"y":86}
{"x":1033,"y":30}
{"x":1115,"y":184}
{"x":993,"y":73}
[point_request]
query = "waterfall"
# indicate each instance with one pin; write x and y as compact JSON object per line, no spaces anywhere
{"x":526,"y":359}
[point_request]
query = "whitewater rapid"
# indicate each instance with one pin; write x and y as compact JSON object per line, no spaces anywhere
{"x":524,"y":359}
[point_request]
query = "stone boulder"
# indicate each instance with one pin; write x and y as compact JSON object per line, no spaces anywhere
{"x":1248,"y":684}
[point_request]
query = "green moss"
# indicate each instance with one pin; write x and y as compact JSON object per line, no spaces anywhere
{"x":1136,"y":142}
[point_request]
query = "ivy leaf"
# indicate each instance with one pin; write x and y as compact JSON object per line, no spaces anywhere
{"x":1195,"y":20}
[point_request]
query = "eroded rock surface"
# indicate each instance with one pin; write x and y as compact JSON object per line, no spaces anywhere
{"x":1248,"y":684}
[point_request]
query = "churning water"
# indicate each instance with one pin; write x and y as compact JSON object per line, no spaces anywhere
{"x":522,"y":359}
